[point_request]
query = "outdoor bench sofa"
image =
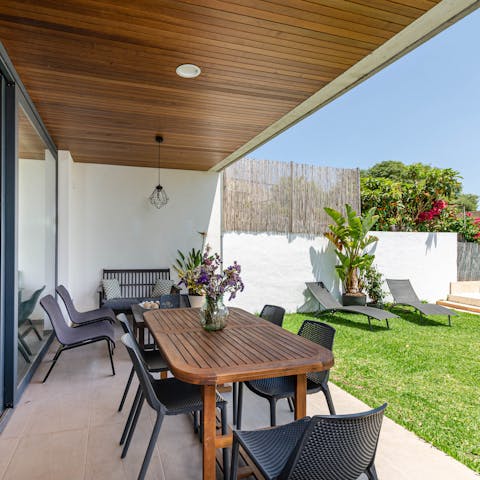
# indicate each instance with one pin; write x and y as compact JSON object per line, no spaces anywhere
{"x":135,"y":286}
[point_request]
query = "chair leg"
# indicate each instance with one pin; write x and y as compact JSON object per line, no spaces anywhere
{"x":234,"y":401}
{"x":239,"y":405}
{"x":371,"y":472}
{"x":110,"y":355}
{"x":370,"y":323}
{"x":133,"y":426}
{"x":290,"y":404}
{"x":223,"y":413}
{"x":55,"y":358}
{"x":328,"y":397}
{"x":449,"y":321}
{"x":127,"y":388}
{"x":24,"y":353}
{"x":25,"y":345}
{"x":133,"y":409}
{"x":195,"y":422}
{"x":234,"y":463}
{"x":34,"y":329}
{"x":388,"y":326}
{"x":273,"y":412}
{"x":151,"y":446}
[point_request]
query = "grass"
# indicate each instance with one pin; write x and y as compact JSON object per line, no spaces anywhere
{"x":428,"y":373}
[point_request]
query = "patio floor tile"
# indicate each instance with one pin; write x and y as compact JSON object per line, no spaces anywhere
{"x":69,"y":428}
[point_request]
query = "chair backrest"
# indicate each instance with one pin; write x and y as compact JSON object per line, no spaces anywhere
{"x":324,"y":297}
{"x":402,"y":291}
{"x":65,"y":334}
{"x":143,"y":375}
{"x":169,"y":301}
{"x":136,"y":283}
{"x":67,"y":300}
{"x":321,"y":334}
{"x":336,"y":447}
{"x":273,"y":314}
{"x":26,"y":308}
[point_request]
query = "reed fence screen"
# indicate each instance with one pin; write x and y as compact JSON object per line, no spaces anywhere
{"x":468,"y":261}
{"x":279,"y":197}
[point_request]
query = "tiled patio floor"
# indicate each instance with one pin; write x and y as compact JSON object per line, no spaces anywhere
{"x":69,"y":428}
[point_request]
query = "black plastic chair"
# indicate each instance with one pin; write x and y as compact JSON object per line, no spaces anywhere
{"x":337,"y":447}
{"x":167,"y":397}
{"x":153,"y":359}
{"x":275,"y":315}
{"x":274,"y":389}
{"x":169,"y":301}
{"x":69,"y":337}
{"x":83,"y":318}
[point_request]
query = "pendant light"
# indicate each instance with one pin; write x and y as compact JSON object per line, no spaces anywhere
{"x":159,"y":198}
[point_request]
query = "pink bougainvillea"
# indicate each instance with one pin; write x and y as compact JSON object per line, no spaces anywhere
{"x":435,"y":211}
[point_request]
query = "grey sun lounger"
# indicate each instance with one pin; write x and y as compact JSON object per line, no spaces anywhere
{"x":404,"y":294}
{"x":332,"y":305}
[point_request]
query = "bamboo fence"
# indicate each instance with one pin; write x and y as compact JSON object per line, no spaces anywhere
{"x":280,"y":197}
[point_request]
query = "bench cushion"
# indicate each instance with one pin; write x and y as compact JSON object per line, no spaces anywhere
{"x":121,"y":304}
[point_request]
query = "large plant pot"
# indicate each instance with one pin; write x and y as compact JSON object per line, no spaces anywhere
{"x":354,"y":300}
{"x":196,"y":301}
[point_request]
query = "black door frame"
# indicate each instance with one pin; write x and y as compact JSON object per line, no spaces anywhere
{"x":14,"y":95}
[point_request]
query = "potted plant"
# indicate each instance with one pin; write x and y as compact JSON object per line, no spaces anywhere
{"x":185,"y":267}
{"x":372,"y":282}
{"x":349,"y":235}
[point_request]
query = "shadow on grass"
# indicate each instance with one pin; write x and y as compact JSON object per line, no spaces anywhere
{"x":339,"y":319}
{"x":412,"y":316}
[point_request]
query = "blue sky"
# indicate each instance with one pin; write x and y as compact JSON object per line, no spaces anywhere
{"x":423,"y":108}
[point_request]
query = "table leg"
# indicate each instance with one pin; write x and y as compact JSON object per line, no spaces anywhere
{"x":209,"y":431}
{"x":301,"y":396}
{"x":141,"y":337}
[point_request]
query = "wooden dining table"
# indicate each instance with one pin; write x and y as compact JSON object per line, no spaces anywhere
{"x":248,"y":348}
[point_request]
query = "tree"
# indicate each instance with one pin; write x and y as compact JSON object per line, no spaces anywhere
{"x":467,"y":200}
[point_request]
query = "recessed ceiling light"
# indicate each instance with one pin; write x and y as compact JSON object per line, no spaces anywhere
{"x":188,"y":70}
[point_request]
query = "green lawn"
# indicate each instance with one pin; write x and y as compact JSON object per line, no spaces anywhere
{"x":428,"y":373}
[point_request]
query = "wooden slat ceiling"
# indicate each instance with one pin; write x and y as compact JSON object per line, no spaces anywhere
{"x":102,"y":72}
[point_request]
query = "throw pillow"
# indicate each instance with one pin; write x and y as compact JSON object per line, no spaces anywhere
{"x":111,"y":288}
{"x":162,"y":287}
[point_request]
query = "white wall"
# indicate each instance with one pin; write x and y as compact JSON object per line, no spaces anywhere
{"x":36,"y":227}
{"x":109,"y":222}
{"x":276,"y":267}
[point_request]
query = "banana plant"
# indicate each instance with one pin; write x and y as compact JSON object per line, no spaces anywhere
{"x":350,"y":237}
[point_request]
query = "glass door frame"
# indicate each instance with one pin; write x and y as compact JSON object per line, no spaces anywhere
{"x":15,"y":95}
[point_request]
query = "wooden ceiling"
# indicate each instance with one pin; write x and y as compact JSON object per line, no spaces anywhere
{"x":30,"y":143}
{"x":102,"y":72}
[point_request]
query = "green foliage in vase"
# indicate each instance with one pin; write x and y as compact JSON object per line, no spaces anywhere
{"x":350,"y":237}
{"x":185,"y":266}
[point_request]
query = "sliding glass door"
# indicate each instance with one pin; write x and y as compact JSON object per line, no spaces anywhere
{"x":28,"y":207}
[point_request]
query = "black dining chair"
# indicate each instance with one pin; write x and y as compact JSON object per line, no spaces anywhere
{"x":152,"y":359}
{"x":275,"y":315}
{"x":83,"y":318}
{"x":167,"y":397}
{"x":274,"y":389}
{"x":70,"y":337}
{"x":324,"y":447}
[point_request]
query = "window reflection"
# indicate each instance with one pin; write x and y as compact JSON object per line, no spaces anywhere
{"x":36,"y":240}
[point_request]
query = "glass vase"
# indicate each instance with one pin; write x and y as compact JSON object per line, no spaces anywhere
{"x":213,"y":314}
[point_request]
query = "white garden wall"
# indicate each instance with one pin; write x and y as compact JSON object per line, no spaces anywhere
{"x":106,"y":220}
{"x":276,"y":267}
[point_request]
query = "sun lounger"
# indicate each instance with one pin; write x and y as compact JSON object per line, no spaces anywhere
{"x":404,"y":294}
{"x":332,"y":305}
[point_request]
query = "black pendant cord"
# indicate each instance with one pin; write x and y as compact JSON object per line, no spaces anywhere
{"x":159,"y":140}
